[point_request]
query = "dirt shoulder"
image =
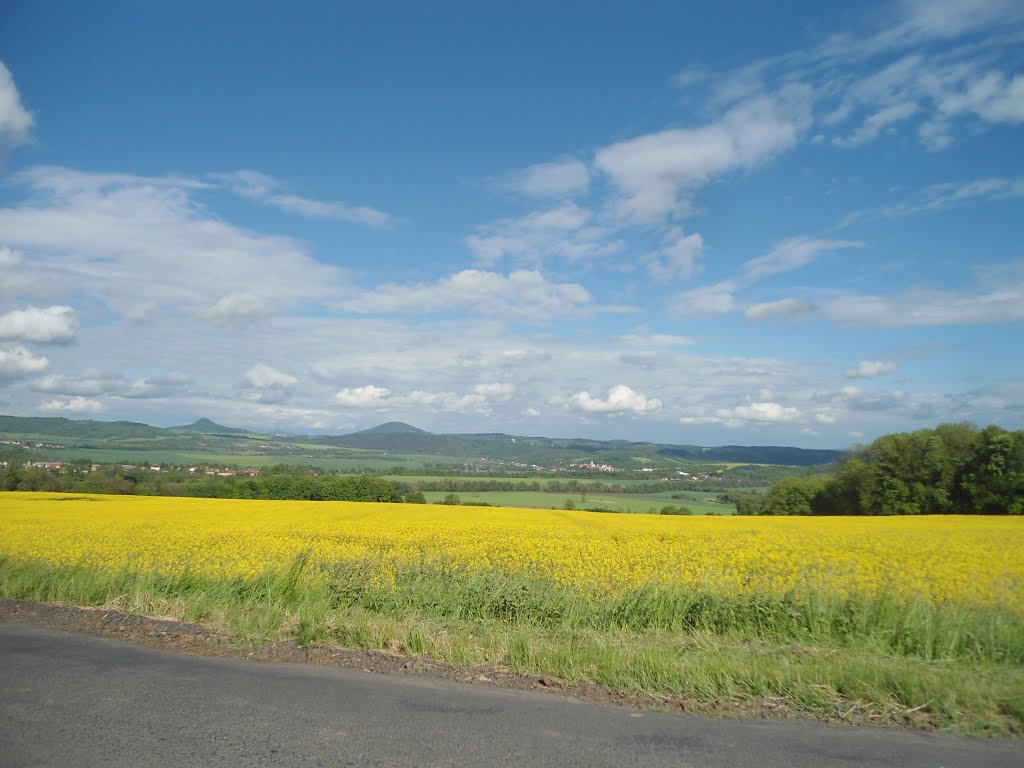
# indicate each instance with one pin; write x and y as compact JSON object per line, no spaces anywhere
{"x":182,"y":637}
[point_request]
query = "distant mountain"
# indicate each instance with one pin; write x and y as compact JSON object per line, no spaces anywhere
{"x":394,"y":428}
{"x":60,"y":427}
{"x":399,"y":438}
{"x":210,"y":427}
{"x":404,"y":439}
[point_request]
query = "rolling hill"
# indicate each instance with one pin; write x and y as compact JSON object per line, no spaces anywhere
{"x":403,"y":439}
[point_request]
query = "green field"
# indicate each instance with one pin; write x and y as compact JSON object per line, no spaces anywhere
{"x":618,"y":502}
{"x":140,"y":457}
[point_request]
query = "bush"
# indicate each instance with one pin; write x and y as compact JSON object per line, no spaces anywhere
{"x":671,"y":509}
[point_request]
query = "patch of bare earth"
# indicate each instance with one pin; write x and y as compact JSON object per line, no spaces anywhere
{"x":172,"y":635}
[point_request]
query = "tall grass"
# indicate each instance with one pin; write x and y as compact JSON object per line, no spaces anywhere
{"x":828,"y":655}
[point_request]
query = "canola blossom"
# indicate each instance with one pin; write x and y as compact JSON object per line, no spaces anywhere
{"x":942,"y":559}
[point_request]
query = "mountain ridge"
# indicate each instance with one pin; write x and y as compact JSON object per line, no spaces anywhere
{"x":406,"y":439}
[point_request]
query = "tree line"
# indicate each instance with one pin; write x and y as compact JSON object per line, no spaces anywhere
{"x":952,"y":469}
{"x":286,"y":484}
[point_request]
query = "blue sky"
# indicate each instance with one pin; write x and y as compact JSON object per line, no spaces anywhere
{"x":754,"y":223}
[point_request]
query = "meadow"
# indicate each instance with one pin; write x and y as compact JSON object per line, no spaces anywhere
{"x":614,"y":502}
{"x":145,"y":457}
{"x":852,"y":618}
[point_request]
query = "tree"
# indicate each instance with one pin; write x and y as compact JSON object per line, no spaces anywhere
{"x":795,"y":495}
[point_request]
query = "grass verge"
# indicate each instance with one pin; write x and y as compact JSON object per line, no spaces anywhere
{"x":867,"y":660}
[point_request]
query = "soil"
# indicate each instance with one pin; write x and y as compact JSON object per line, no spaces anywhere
{"x":178,"y":636}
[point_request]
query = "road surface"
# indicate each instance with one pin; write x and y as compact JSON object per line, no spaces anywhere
{"x":78,"y":700}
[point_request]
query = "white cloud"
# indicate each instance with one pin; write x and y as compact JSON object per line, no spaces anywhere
{"x":531,"y":412}
{"x":565,"y":232}
{"x":706,"y":300}
{"x":9,"y":258}
{"x":17,"y":361}
{"x":657,"y":173}
{"x":143,"y":242}
{"x":620,"y":399}
{"x":921,"y":21}
{"x":368,"y":396}
{"x":878,"y":121}
{"x":938,"y":89}
{"x":644,"y":338}
{"x":678,"y":257}
{"x":42,"y":325}
{"x":446,"y":401}
{"x":869,"y":369}
{"x":262,"y":188}
{"x":951,"y":18}
{"x":93,"y":383}
{"x":419,"y":400}
{"x":496,"y":390}
{"x":743,"y":415}
{"x":793,"y":253}
{"x":944,"y":196}
{"x":89,"y":383}
{"x":781,"y":308}
{"x":262,"y":376}
{"x":689,"y":78}
{"x":762,"y":412}
{"x":563,"y":178}
{"x":523,"y":295}
{"x":239,"y":309}
{"x":72,"y":405}
{"x":15,"y":120}
{"x":922,"y":309}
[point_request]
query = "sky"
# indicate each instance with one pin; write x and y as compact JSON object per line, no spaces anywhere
{"x":785,"y":223}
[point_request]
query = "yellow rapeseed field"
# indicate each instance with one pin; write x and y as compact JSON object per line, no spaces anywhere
{"x":943,"y":559}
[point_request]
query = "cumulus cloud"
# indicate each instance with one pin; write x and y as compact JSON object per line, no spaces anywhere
{"x":368,"y":396}
{"x":15,"y":120}
{"x":620,"y":399}
{"x":563,"y":178}
{"x":762,"y":412}
{"x":781,"y":308}
{"x":265,"y":189}
{"x":656,"y":174}
{"x":793,"y":253}
{"x":17,"y":361}
{"x":869,"y":369}
{"x":71,"y":405}
{"x":41,"y":325}
{"x":523,"y":295}
{"x":743,"y":415}
{"x":566,"y":231}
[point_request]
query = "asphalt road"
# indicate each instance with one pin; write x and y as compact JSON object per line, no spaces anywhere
{"x":77,"y":700}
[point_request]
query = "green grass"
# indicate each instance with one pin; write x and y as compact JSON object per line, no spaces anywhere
{"x":863,"y":660}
